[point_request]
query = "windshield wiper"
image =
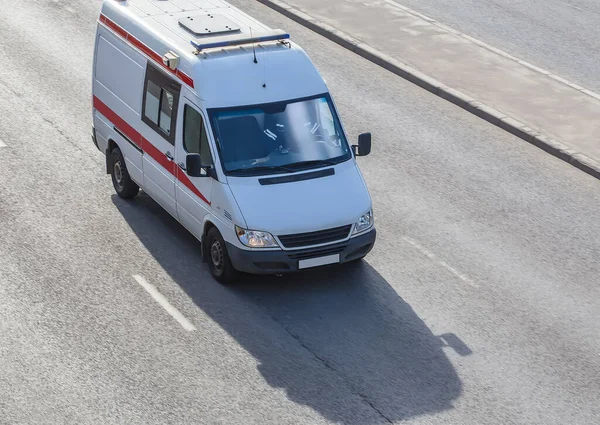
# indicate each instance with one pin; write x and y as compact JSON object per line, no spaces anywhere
{"x":262,"y":168}
{"x":288,"y":168}
{"x":308,"y":164}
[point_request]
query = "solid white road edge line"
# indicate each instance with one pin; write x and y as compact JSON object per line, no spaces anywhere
{"x":164,"y":303}
{"x":442,"y":263}
{"x":495,"y":49}
{"x":2,"y":144}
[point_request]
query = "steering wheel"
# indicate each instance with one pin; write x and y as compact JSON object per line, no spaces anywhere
{"x":331,"y":141}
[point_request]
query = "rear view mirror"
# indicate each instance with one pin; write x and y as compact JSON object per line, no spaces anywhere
{"x":454,"y":342}
{"x":194,"y":167}
{"x":364,"y":145}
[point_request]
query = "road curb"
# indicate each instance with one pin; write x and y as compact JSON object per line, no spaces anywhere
{"x":434,"y":86}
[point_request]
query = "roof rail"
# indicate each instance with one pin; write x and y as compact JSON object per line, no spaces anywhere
{"x":240,"y":39}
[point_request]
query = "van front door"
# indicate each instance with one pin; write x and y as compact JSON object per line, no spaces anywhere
{"x":193,"y":193}
{"x":159,"y":112}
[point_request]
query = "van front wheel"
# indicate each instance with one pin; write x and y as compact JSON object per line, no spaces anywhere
{"x":124,"y":186}
{"x":218,"y":258}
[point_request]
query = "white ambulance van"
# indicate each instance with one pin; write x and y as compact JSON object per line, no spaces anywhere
{"x":227,"y":125}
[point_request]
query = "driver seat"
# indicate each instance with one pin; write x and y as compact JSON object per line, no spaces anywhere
{"x":242,"y":139}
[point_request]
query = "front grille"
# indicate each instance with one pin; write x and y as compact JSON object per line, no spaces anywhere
{"x":320,"y":252}
{"x":315,"y":238}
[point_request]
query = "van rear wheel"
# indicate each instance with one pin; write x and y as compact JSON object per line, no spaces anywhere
{"x":124,"y":186}
{"x":218,"y":258}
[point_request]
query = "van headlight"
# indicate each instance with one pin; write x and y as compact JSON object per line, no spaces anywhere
{"x":255,"y":239}
{"x":364,"y":223}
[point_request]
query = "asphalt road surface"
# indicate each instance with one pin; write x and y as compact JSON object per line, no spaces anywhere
{"x":562,"y":36}
{"x":479,"y":305}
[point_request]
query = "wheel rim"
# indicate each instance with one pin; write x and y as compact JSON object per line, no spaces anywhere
{"x":118,"y":173}
{"x":217,"y":256}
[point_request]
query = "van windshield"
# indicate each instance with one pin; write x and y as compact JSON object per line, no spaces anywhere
{"x":279,"y":137}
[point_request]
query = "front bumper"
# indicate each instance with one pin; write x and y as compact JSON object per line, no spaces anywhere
{"x":275,"y":262}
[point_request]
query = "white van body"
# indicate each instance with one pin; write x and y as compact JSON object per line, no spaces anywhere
{"x":204,"y":108}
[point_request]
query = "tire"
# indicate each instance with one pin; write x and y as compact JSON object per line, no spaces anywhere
{"x":218,"y":258}
{"x":124,"y":186}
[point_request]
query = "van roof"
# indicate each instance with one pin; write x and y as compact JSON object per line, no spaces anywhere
{"x":220,"y":75}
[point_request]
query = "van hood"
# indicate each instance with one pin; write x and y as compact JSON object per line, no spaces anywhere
{"x":302,"y":206}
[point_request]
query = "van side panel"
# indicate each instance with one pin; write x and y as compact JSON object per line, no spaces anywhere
{"x":117,"y":87}
{"x":119,"y":74}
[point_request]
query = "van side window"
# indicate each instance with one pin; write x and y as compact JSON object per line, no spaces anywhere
{"x":152,"y":102}
{"x":161,"y":96}
{"x":166,"y":109}
{"x":195,"y":139}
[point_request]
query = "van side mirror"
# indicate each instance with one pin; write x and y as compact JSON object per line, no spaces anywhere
{"x":364,"y":145}
{"x":194,"y":167}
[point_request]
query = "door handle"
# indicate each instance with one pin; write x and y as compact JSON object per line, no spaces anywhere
{"x":181,"y":165}
{"x":169,"y":155}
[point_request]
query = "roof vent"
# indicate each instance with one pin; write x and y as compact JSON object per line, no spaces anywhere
{"x":208,"y":24}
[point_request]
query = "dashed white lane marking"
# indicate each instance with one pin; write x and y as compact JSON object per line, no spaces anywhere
{"x":2,"y":144}
{"x":160,"y":299}
{"x":442,"y":263}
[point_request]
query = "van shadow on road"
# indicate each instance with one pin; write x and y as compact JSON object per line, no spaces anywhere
{"x":343,"y":342}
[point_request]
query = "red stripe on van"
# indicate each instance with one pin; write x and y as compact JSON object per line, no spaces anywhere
{"x":118,"y":122}
{"x":159,"y":157}
{"x":183,"y":178}
{"x":146,"y":50}
{"x":113,"y":26}
{"x":154,"y":56}
{"x":185,"y":78}
{"x":147,"y":147}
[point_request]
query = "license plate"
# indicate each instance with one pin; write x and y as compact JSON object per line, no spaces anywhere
{"x":321,"y":261}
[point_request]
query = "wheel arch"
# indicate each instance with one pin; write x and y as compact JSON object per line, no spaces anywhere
{"x":208,"y":224}
{"x":109,"y":148}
